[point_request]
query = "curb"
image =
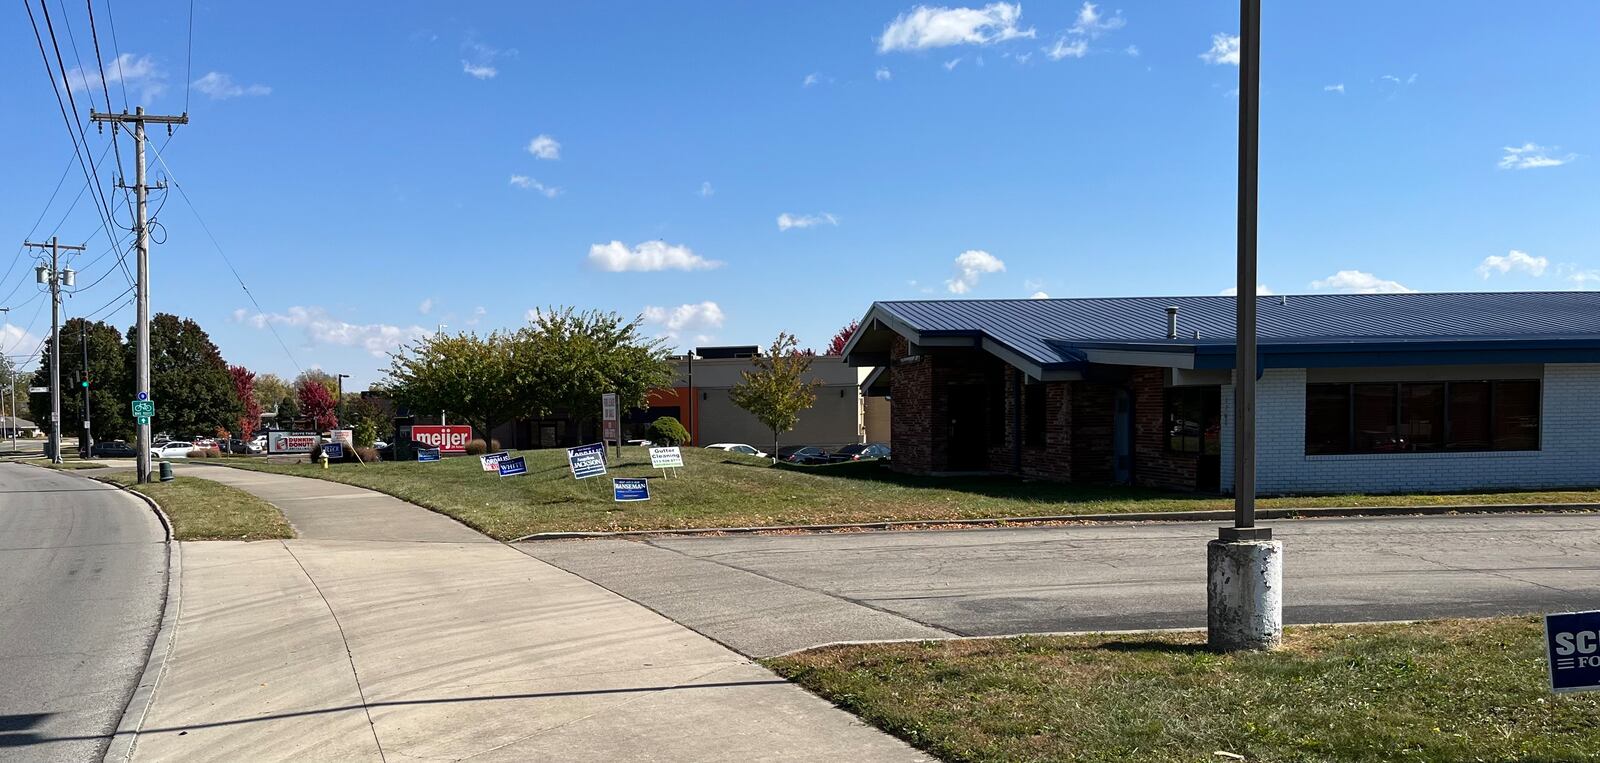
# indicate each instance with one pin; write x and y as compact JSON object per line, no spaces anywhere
{"x":1132,"y":516}
{"x":127,"y":732}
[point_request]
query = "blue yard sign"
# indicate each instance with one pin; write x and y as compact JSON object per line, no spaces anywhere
{"x":587,"y":460}
{"x":511,"y":467}
{"x":427,"y":454}
{"x":1573,"y":642}
{"x":629,"y":489}
{"x":333,"y":450}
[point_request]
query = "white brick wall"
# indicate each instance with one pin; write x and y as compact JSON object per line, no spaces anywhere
{"x":1569,"y":454}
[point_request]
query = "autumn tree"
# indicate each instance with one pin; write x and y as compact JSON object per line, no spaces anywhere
{"x":778,"y":390}
{"x":842,"y":338}
{"x":188,"y":378}
{"x":317,"y":403}
{"x":244,"y":385}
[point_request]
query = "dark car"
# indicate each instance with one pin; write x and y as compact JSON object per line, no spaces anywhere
{"x":802,"y":454}
{"x":237,"y":447}
{"x":861,"y":451}
{"x":112,"y":449}
{"x":387,"y":452}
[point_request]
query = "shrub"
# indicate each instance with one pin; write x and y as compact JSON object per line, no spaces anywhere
{"x":479,"y":447}
{"x":667,"y":431}
{"x":205,"y":453}
{"x":369,"y":455}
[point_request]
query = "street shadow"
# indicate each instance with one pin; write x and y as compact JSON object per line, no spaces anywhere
{"x":1158,"y":647}
{"x":14,"y":729}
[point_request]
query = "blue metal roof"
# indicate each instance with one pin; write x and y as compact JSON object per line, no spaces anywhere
{"x":1057,"y":332}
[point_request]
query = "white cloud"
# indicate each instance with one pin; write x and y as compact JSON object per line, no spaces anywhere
{"x":1091,"y":23}
{"x":523,"y":181}
{"x":477,"y":315}
{"x":480,"y":71}
{"x":1262,"y":290}
{"x":1396,"y":80}
{"x":951,"y":65}
{"x":1358,"y":282}
{"x":1039,"y":295}
{"x":378,"y":339}
{"x":706,"y":191}
{"x":883,"y":74}
{"x":19,"y":345}
{"x":1515,"y":260}
{"x":1532,"y":156}
{"x":221,"y":86}
{"x":811,"y":79}
{"x":649,"y":256}
{"x":787,"y":221}
{"x":478,"y":59}
{"x":1132,"y":50}
{"x":137,"y":73}
{"x":1582,"y":278}
{"x":1339,"y":88}
{"x":970,"y":266}
{"x":700,"y":317}
{"x":426,"y":306}
{"x":1062,"y":49}
{"x":1224,"y":50}
{"x":545,"y":147}
{"x":924,"y":27}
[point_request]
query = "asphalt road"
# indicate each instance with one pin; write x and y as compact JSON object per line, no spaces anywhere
{"x":765,"y":595}
{"x":82,"y":578}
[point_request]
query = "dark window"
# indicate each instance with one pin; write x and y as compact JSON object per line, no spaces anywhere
{"x":1193,"y":420}
{"x":1034,"y":420}
{"x":997,"y":409}
{"x":1422,"y":416}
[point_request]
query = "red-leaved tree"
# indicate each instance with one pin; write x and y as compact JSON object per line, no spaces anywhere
{"x":244,"y":385}
{"x":317,"y":403}
{"x":836,"y":347}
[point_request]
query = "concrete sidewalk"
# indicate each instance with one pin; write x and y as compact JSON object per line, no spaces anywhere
{"x":389,"y":632}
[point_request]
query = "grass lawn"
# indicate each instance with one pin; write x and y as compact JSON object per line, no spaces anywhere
{"x":718,"y":489}
{"x":204,"y":510}
{"x":1454,"y":690}
{"x":72,"y":464}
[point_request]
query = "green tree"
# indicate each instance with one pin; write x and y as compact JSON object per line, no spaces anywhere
{"x":367,"y":420}
{"x":778,"y":390}
{"x":468,"y":375}
{"x":667,"y":431}
{"x":188,"y":378}
{"x":270,"y":390}
{"x":108,"y":376}
{"x":565,"y":359}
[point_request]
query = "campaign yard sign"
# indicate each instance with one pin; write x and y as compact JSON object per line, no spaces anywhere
{"x":587,"y":460}
{"x":490,"y":460}
{"x":1572,"y":640}
{"x":511,"y":467}
{"x":448,"y":439}
{"x":666,"y":458}
{"x":333,"y":450}
{"x":624,"y":489}
{"x":427,"y":454}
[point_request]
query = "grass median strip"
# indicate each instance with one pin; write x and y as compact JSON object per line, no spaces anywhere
{"x":204,"y":510}
{"x":1450,"y":690}
{"x":717,"y":489}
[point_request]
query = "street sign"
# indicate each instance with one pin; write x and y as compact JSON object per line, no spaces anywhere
{"x":333,"y":450}
{"x":143,"y":395}
{"x":427,"y":454}
{"x":587,"y":460}
{"x":144,"y":408}
{"x":1572,"y":642}
{"x":490,"y":459}
{"x":511,"y":467}
{"x":666,"y":458}
{"x":38,"y":389}
{"x":450,"y":439}
{"x":610,"y":420}
{"x":143,"y":421}
{"x":624,"y":489}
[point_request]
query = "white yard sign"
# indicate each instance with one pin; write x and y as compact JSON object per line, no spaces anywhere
{"x":666,"y":458}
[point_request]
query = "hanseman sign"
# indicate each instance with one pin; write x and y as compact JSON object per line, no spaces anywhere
{"x":490,"y":459}
{"x":427,"y":454}
{"x":1573,"y":642}
{"x":666,"y":458}
{"x":511,"y":467}
{"x":448,"y":439}
{"x":587,"y":460}
{"x":624,"y":489}
{"x":291,"y":442}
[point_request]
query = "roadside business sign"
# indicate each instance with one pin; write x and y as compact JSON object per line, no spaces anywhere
{"x":490,"y":459}
{"x":333,"y":450}
{"x":666,"y":458}
{"x":511,"y":467}
{"x":447,"y":439}
{"x":610,"y":419}
{"x":37,"y":390}
{"x":428,"y":454}
{"x":291,"y":442}
{"x":624,"y":489}
{"x":587,"y":460}
{"x":1572,"y":642}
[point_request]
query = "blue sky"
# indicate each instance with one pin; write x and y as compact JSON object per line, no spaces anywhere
{"x":764,"y":167}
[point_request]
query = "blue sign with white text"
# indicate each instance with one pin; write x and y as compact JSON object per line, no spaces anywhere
{"x":511,"y":467}
{"x":1573,"y":641}
{"x":629,"y":489}
{"x":333,"y":450}
{"x":587,"y":460}
{"x":427,"y":454}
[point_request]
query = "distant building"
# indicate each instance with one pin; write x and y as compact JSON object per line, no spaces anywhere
{"x":11,"y":426}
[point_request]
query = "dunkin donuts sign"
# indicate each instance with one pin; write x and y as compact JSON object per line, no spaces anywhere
{"x":448,"y":439}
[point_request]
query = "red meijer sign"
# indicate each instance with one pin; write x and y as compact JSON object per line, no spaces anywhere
{"x":448,"y":439}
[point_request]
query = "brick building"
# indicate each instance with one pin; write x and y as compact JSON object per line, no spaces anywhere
{"x":1373,"y":392}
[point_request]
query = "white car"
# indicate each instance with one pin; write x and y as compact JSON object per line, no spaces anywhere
{"x":173,"y":449}
{"x":736,"y":447}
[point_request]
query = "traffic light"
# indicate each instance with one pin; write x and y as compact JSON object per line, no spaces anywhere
{"x":85,"y":383}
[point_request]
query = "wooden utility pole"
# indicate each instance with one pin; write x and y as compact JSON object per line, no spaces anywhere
{"x":141,"y":230}
{"x":55,"y":276}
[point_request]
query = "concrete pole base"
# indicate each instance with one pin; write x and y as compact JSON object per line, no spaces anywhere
{"x":1244,"y":594}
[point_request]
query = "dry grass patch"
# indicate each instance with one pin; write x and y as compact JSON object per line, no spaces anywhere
{"x":201,"y":509}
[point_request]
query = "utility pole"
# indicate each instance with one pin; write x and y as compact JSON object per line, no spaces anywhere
{"x":11,"y":382}
{"x":142,"y":232}
{"x":55,"y":277}
{"x":86,"y":442}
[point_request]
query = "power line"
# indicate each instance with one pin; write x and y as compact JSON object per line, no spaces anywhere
{"x":188,"y":64}
{"x":100,"y":63}
{"x":116,"y":50}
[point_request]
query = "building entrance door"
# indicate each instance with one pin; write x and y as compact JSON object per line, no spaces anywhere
{"x":1122,"y":439}
{"x":965,"y":441}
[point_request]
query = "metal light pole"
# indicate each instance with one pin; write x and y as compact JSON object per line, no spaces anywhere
{"x":337,"y":403}
{"x":439,"y":334}
{"x":1244,"y":592}
{"x":11,"y":382}
{"x":694,"y":425}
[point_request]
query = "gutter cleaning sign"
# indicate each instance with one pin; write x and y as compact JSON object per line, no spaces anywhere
{"x":587,"y":460}
{"x":1573,"y":642}
{"x":666,"y":458}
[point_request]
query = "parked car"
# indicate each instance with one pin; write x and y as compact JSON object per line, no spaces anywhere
{"x":802,"y":454}
{"x":642,"y":443}
{"x":736,"y":447}
{"x":380,"y":444}
{"x":172,"y":449}
{"x":234,"y":446}
{"x":112,"y":449}
{"x":861,"y":451}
